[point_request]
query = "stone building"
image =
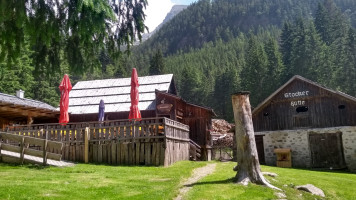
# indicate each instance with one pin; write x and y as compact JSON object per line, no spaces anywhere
{"x":318,"y":125}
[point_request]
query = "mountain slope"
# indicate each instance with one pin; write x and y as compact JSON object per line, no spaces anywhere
{"x":174,"y":11}
{"x":207,"y":20}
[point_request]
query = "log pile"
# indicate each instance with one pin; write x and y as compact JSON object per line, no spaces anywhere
{"x":221,"y":133}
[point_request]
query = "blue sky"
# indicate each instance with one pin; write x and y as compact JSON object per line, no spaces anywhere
{"x":158,"y":9}
{"x":183,"y":2}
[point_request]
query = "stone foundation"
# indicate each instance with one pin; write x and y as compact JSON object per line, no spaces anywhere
{"x":298,"y":142}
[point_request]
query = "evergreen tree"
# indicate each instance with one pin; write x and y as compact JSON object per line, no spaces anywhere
{"x":275,"y":67}
{"x":157,"y":64}
{"x":190,"y":85}
{"x":82,"y":29}
{"x":254,"y":73}
{"x":286,"y":48}
{"x":345,"y":72}
{"x":225,"y":85}
{"x":17,"y":74}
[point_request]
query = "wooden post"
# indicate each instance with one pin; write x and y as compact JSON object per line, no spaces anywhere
{"x":86,"y":145}
{"x":0,"y":150}
{"x":248,"y":168}
{"x":22,"y":150}
{"x":45,"y":148}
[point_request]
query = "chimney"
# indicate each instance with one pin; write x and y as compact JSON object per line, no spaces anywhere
{"x":20,"y":93}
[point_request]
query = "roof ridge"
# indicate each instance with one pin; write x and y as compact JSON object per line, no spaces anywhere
{"x":125,"y":78}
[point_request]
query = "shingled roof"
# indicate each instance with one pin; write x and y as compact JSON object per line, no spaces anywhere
{"x":14,"y":100}
{"x":85,"y":96}
{"x":13,"y":106}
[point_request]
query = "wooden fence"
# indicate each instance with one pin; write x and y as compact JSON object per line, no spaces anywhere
{"x":152,"y":141}
{"x":20,"y":145}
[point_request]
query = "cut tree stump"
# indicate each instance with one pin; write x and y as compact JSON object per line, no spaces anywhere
{"x":248,"y":166}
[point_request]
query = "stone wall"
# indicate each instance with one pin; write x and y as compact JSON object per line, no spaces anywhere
{"x":298,"y":141}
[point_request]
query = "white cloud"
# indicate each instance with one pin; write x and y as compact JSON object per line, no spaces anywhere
{"x":156,"y":11}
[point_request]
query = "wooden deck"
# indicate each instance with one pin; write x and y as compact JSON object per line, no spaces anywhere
{"x":12,"y":157}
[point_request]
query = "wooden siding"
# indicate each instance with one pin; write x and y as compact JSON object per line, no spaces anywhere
{"x":322,"y":108}
{"x":152,"y":141}
{"x":197,"y":118}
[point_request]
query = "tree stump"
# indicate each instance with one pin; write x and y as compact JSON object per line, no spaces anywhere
{"x":248,"y":166}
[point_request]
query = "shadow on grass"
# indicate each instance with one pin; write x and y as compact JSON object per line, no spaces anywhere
{"x":230,"y":180}
{"x":30,"y":166}
{"x":337,"y":171}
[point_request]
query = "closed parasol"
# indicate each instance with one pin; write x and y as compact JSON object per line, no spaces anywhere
{"x":134,"y":111}
{"x":65,"y":87}
{"x":101,"y":111}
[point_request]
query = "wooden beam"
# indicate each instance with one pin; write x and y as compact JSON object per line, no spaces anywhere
{"x":13,"y":111}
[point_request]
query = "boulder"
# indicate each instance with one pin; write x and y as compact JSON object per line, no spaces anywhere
{"x":312,"y":189}
{"x":270,"y":174}
{"x":280,"y":195}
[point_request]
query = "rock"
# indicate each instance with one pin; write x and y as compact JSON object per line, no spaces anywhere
{"x":280,"y":195}
{"x":270,"y":174}
{"x":235,"y":168}
{"x":312,"y":189}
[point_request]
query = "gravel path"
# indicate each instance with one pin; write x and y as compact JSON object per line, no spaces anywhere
{"x":198,"y":174}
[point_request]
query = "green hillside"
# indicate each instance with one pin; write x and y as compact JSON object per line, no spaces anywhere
{"x":215,"y":48}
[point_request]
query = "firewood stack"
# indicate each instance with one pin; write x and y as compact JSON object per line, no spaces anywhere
{"x":222,"y":134}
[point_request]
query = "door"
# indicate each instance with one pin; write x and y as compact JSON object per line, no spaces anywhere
{"x":260,"y":148}
{"x":326,"y":150}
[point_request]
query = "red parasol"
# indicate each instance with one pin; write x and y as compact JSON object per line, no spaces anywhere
{"x":134,"y":111}
{"x":64,"y":87}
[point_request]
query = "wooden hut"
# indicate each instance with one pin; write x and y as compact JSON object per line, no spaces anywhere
{"x":157,"y":98}
{"x":19,"y":110}
{"x":198,"y":118}
{"x":317,"y":124}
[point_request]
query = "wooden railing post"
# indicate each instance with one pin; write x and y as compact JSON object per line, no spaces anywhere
{"x":22,"y":150}
{"x":0,"y":150}
{"x":86,"y":145}
{"x":45,"y":147}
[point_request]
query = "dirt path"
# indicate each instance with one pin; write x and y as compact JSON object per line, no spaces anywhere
{"x":198,"y":174}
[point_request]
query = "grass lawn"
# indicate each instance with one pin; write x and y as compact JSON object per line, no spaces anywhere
{"x":93,"y":181}
{"x":219,"y":185}
{"x":113,"y":182}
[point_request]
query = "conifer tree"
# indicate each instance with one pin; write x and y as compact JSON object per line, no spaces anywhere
{"x":157,"y":64}
{"x":275,"y":67}
{"x":253,"y":74}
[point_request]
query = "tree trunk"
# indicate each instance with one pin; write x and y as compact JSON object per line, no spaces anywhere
{"x":248,"y":166}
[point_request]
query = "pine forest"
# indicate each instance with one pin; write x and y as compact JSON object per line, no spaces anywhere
{"x":215,"y":48}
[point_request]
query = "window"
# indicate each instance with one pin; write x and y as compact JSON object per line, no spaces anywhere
{"x":302,"y":109}
{"x":341,"y":107}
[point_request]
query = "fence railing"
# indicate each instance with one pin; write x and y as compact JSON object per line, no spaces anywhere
{"x":20,"y":144}
{"x":149,"y":141}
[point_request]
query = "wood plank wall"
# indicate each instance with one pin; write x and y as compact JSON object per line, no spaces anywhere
{"x":323,"y":108}
{"x":154,"y":141}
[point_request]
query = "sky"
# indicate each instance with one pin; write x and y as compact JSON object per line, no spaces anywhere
{"x":157,"y":10}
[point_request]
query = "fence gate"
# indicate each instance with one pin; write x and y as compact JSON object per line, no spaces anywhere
{"x":326,"y":150}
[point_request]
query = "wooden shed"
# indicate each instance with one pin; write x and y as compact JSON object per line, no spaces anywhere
{"x":20,"y":110}
{"x":198,"y":118}
{"x":157,"y":98}
{"x":318,"y":125}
